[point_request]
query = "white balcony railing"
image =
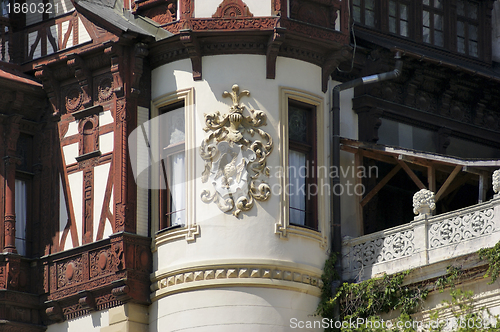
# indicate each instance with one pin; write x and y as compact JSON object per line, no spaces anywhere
{"x":426,"y":240}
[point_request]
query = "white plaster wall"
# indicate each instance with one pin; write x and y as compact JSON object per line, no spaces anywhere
{"x":106,"y":143}
{"x":105,"y":118}
{"x":70,"y":153}
{"x":101,"y":174}
{"x":88,"y":323}
{"x":63,"y":212}
{"x":72,"y":129}
{"x":76,"y":188}
{"x":83,"y":34}
{"x":231,"y":309}
{"x":252,"y":235}
{"x":495,"y":35}
{"x":207,"y":8}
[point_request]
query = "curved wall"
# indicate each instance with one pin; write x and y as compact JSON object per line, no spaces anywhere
{"x":226,"y":259}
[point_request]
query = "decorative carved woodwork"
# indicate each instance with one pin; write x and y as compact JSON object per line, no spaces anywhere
{"x":100,"y":275}
{"x":320,"y":13}
{"x":232,"y":9}
{"x":84,"y":77}
{"x":191,"y":43}
{"x":433,"y":97}
{"x":273,"y":47}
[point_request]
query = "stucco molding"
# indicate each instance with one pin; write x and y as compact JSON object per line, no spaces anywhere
{"x":244,"y":273}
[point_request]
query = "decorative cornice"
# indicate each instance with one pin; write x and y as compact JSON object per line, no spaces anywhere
{"x":243,"y":273}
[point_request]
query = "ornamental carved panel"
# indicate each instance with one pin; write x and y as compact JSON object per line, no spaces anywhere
{"x":384,"y":249}
{"x":232,"y":9}
{"x":235,"y":154}
{"x":461,"y":228}
{"x":101,"y":263}
{"x":73,"y":98}
{"x":69,"y":272}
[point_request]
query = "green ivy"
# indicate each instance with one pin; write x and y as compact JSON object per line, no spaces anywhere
{"x":492,"y":255}
{"x":370,"y":298}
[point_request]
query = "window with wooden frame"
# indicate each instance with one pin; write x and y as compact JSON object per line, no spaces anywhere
{"x":467,"y":27}
{"x":363,"y":12}
{"x":399,"y":12}
{"x":23,"y":193}
{"x":172,"y":166}
{"x":302,"y":158}
{"x":430,"y":22}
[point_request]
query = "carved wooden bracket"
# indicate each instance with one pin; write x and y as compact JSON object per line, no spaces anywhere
{"x":368,"y":123}
{"x":115,"y":51}
{"x":87,"y":300}
{"x":232,"y":9}
{"x":193,"y":47}
{"x":443,"y":139}
{"x":83,"y":75}
{"x":121,"y":293}
{"x":331,"y":63}
{"x":50,"y":85}
{"x":54,"y":311}
{"x":273,"y":47}
{"x":140,"y":52}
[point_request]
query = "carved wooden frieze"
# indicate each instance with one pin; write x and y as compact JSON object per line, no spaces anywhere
{"x":235,"y":154}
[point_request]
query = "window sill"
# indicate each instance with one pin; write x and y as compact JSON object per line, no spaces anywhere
{"x":174,"y":233}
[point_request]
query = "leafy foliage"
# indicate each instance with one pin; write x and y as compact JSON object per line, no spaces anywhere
{"x":493,"y":257}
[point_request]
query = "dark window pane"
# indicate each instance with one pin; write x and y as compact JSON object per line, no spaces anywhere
{"x":472,"y":10}
{"x":438,"y":3}
{"x":425,"y":19}
{"x":438,"y":38}
{"x":461,"y":7}
{"x":392,"y":8}
{"x":438,"y":22}
{"x":403,"y":29}
{"x":472,"y":32}
{"x":370,"y":18}
{"x":426,"y":35}
{"x":403,"y":12}
{"x":370,"y":4}
{"x":357,"y":14}
{"x":392,"y":24}
{"x":473,"y":48}
{"x":460,"y":44}
{"x":460,"y":29}
{"x":297,"y":124}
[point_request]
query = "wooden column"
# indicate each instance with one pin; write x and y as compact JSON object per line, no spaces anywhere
{"x":10,"y":205}
{"x":10,"y":184}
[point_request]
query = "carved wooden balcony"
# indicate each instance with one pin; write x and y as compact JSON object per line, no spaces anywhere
{"x":422,"y":242}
